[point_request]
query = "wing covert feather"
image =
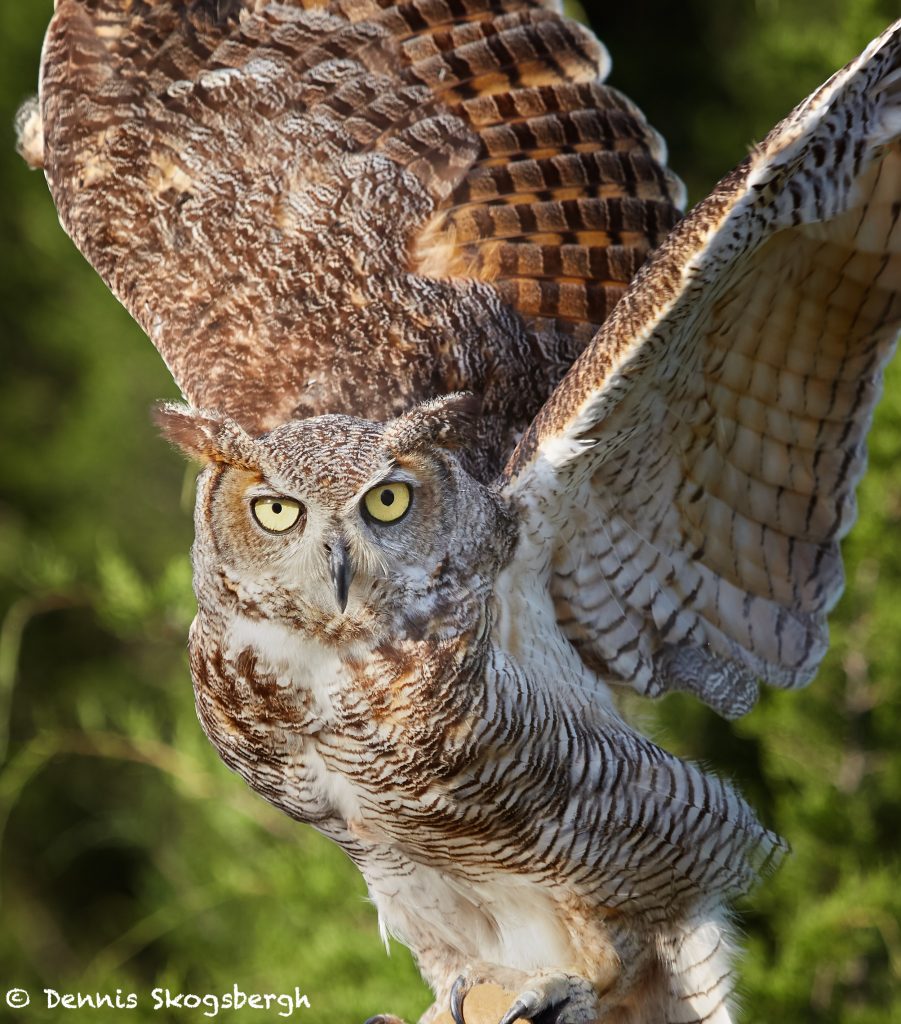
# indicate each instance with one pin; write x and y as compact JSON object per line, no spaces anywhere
{"x":703,"y":452}
{"x":352,"y":206}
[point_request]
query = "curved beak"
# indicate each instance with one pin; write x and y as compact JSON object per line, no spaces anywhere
{"x":340,"y":569}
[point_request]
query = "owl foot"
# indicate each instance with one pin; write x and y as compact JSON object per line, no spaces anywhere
{"x":555,"y":999}
{"x":550,"y":999}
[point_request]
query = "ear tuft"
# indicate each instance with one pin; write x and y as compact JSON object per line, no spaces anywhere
{"x":205,"y":435}
{"x":446,"y":422}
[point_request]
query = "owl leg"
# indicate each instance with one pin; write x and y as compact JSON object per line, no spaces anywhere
{"x":553,"y":997}
{"x":615,"y":976}
{"x":698,"y":954}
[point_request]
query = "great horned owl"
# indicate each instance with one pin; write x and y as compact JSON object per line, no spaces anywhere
{"x":443,"y":516}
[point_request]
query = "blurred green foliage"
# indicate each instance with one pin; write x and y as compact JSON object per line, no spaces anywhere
{"x":131,"y":858}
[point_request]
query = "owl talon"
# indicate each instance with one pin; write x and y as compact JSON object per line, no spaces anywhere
{"x":534,"y":1007}
{"x":458,"y":993}
{"x":554,"y":999}
{"x":521,"y":1008}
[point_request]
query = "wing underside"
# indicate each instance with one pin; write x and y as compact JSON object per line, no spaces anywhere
{"x":708,"y":443}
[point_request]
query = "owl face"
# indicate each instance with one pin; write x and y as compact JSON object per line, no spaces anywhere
{"x":340,"y":524}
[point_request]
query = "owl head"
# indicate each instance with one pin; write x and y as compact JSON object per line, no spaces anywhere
{"x":339,"y":525}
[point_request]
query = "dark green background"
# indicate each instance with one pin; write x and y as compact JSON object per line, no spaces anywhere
{"x":129,"y":857}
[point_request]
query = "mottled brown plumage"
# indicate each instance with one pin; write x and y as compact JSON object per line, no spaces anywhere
{"x":311,"y":201}
{"x":332,"y":218}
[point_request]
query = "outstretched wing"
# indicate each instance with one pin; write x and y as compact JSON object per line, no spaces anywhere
{"x":688,"y":483}
{"x":351,"y":206}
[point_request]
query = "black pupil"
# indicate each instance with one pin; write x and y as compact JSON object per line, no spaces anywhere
{"x":387,"y":497}
{"x":277,"y":508}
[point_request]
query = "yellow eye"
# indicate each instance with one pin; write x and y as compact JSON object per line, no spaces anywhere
{"x":276,"y":514}
{"x":388,"y":502}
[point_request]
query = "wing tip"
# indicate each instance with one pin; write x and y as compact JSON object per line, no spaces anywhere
{"x":796,"y":125}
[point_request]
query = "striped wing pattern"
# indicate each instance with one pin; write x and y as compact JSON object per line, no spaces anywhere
{"x":689,"y":482}
{"x":356,"y":205}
